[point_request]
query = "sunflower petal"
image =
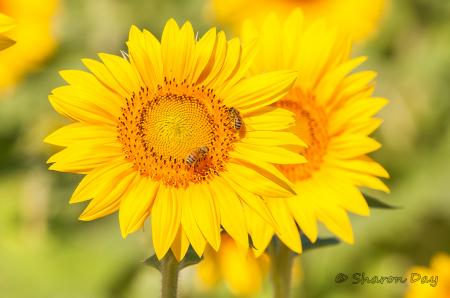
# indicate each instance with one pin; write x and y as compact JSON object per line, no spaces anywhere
{"x":166,"y":217}
{"x":261,"y":90}
{"x":206,"y":211}
{"x":108,"y":199}
{"x":231,"y":210}
{"x":136,"y":205}
{"x":180,"y":244}
{"x":191,"y":228}
{"x":93,"y":182}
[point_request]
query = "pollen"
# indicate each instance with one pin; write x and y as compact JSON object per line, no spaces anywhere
{"x":160,"y":130}
{"x":311,"y":126}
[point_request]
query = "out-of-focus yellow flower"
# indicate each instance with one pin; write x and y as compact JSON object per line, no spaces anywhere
{"x":159,"y":134}
{"x":357,"y":17}
{"x":243,"y":273}
{"x":32,"y":34}
{"x":6,"y":24}
{"x":333,"y":116}
{"x":433,"y":282}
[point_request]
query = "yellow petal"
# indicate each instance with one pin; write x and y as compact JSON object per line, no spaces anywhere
{"x":80,"y":98}
{"x":272,"y":138}
{"x":154,"y":52}
{"x":93,"y":182}
{"x":141,"y":60}
{"x":6,"y":23}
{"x":136,"y":205}
{"x":363,"y":164}
{"x":350,"y":146}
{"x":288,"y":229}
{"x":184,"y":54}
{"x":108,"y":199}
{"x":219,"y":52}
{"x":180,"y":244}
{"x":166,"y":217}
{"x":264,"y":168}
{"x":249,"y":50}
{"x":76,"y":132}
{"x":255,"y":181}
{"x":83,"y":157}
{"x":303,"y":210}
{"x":256,"y":203}
{"x":292,"y":29}
{"x":137,"y":37}
{"x":122,"y":71}
{"x":77,"y":109}
{"x":189,"y":224}
{"x":231,"y":211}
{"x":259,"y":229}
{"x":168,"y":47}
{"x":230,"y":65}
{"x":270,"y":154}
{"x":261,"y":90}
{"x":105,"y":77}
{"x":269,"y":118}
{"x":206,"y":211}
{"x":271,"y":41}
{"x":90,"y":83}
{"x":360,"y":179}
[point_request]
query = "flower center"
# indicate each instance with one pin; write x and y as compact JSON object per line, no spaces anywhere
{"x":178,"y":135}
{"x":311,"y":125}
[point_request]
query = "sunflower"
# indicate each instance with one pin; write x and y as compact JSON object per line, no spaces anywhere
{"x":6,"y":24}
{"x":160,"y":135}
{"x":356,"y":17}
{"x":333,"y":116}
{"x":244,"y":274}
{"x":35,"y":43}
{"x":432,"y":282}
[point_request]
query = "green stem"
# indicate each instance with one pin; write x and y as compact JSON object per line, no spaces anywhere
{"x":169,"y":271}
{"x":281,"y":268}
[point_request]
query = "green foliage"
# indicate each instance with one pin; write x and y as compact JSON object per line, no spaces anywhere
{"x":320,"y":242}
{"x":191,"y":258}
{"x":375,"y":203}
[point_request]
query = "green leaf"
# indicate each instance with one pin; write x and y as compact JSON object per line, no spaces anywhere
{"x":250,"y":242}
{"x":191,"y":258}
{"x":375,"y":203}
{"x":153,"y":262}
{"x":320,"y":242}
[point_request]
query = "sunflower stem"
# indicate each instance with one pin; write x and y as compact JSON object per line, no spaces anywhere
{"x":169,"y":271}
{"x":281,"y":268}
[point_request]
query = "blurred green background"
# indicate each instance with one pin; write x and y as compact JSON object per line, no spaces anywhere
{"x":46,"y":252}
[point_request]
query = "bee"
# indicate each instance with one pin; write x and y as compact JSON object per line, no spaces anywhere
{"x":195,"y":155}
{"x":235,"y":115}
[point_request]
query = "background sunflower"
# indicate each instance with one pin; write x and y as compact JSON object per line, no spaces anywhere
{"x":358,"y":18}
{"x":35,"y":30}
{"x":44,"y":246}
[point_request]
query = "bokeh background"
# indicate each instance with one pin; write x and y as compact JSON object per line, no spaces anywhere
{"x":46,"y":252}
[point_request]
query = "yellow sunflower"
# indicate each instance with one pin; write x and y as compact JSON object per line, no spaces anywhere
{"x":433,"y":282}
{"x":243,"y":272}
{"x":159,"y":135}
{"x":35,"y":42}
{"x":6,"y":24}
{"x":333,"y":116}
{"x":356,"y":17}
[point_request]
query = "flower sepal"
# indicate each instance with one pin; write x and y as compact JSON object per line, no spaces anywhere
{"x":376,"y":203}
{"x":191,"y":258}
